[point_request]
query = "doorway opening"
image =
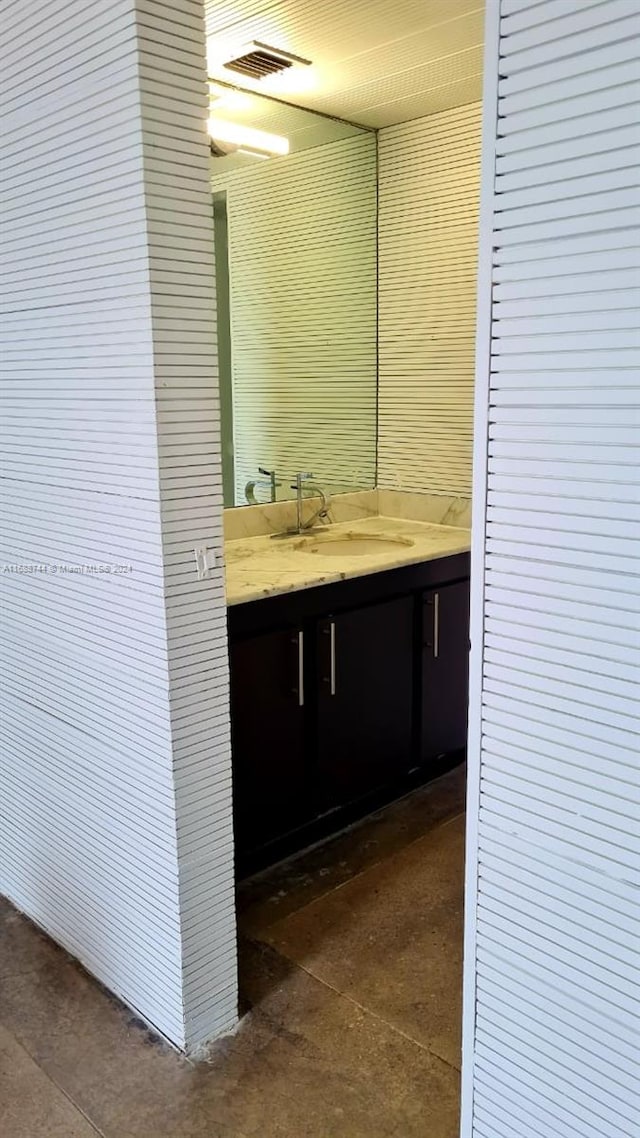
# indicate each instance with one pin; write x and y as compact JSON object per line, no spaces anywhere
{"x":349,"y":163}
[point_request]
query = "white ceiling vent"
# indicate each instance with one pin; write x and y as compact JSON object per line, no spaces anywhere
{"x":259,"y":61}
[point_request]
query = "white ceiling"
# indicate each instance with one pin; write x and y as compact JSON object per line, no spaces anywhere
{"x":374,"y":62}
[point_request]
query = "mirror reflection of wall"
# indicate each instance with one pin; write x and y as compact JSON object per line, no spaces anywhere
{"x":296,"y":285}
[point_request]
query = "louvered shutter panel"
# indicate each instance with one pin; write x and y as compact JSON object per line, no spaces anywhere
{"x":552,"y":1039}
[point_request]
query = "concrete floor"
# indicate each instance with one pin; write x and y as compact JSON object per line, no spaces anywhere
{"x":350,"y":967}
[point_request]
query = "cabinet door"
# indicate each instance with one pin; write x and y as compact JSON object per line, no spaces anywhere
{"x":365,"y":699}
{"x":270,"y":778}
{"x":445,"y":669}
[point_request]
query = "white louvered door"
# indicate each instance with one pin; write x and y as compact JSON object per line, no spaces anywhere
{"x":552,"y":1000}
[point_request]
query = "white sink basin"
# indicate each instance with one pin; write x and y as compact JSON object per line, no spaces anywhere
{"x":351,"y":545}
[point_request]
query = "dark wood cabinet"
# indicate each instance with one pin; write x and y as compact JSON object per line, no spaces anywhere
{"x":271,"y":772}
{"x":445,"y":668}
{"x":365,"y":698}
{"x":342,"y":697}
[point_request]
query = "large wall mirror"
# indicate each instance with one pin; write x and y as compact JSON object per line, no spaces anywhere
{"x":294,"y":196}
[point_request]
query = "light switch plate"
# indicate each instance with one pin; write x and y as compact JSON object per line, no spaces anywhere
{"x":205,"y":561}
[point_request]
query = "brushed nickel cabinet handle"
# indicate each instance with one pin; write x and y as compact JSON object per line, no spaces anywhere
{"x":301,"y":669}
{"x":330,"y":680}
{"x":436,"y":625}
{"x":332,"y":672}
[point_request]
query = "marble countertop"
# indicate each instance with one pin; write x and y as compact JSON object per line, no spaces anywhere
{"x":264,"y":566}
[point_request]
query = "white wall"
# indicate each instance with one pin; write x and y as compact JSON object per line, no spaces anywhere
{"x":429,"y":175}
{"x":552,"y":953}
{"x":302,"y":250}
{"x":115,"y":831}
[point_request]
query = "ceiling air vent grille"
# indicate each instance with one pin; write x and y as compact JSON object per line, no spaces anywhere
{"x":262,"y":61}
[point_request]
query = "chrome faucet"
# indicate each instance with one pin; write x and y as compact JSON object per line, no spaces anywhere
{"x":301,"y":478}
{"x":302,"y":483}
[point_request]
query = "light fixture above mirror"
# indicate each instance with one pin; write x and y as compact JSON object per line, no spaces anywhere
{"x":235,"y":136}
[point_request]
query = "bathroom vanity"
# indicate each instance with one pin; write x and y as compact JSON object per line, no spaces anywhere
{"x":348,"y":654}
{"x":349,"y":644}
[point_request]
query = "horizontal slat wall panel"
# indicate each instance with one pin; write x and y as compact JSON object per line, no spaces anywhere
{"x":88,"y":827}
{"x":556,"y":1049}
{"x":114,"y":734}
{"x":429,"y":174}
{"x":302,"y":260}
{"x":180,"y":235}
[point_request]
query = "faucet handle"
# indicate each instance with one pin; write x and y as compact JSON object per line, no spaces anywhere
{"x":301,"y":476}
{"x":268,"y":473}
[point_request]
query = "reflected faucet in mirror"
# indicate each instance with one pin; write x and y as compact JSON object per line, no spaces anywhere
{"x":249,"y":490}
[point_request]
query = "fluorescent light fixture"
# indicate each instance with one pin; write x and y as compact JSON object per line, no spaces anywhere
{"x":247,"y":137}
